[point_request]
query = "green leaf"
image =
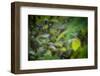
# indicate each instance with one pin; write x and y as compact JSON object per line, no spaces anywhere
{"x":45,"y":35}
{"x":61,"y":35}
{"x":76,"y":43}
{"x":59,"y":44}
{"x":45,"y":27}
{"x":48,"y":53}
{"x":63,"y":49}
{"x":52,"y":31}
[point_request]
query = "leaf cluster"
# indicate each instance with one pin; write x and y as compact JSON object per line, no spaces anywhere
{"x":57,"y":37}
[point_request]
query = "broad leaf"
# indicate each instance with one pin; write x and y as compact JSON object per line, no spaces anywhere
{"x":76,"y":43}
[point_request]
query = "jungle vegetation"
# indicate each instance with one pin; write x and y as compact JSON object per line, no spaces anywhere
{"x":57,"y":37}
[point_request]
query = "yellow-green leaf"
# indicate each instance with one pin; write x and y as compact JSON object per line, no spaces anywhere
{"x":52,"y":31}
{"x":63,"y":49}
{"x":45,"y":27}
{"x":61,"y":35}
{"x":76,"y":43}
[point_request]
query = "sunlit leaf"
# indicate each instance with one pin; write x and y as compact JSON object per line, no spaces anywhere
{"x":76,"y":43}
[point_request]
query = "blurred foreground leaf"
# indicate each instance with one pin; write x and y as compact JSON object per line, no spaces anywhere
{"x":76,"y":43}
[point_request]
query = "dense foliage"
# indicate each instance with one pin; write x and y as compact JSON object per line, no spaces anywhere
{"x":57,"y":37}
